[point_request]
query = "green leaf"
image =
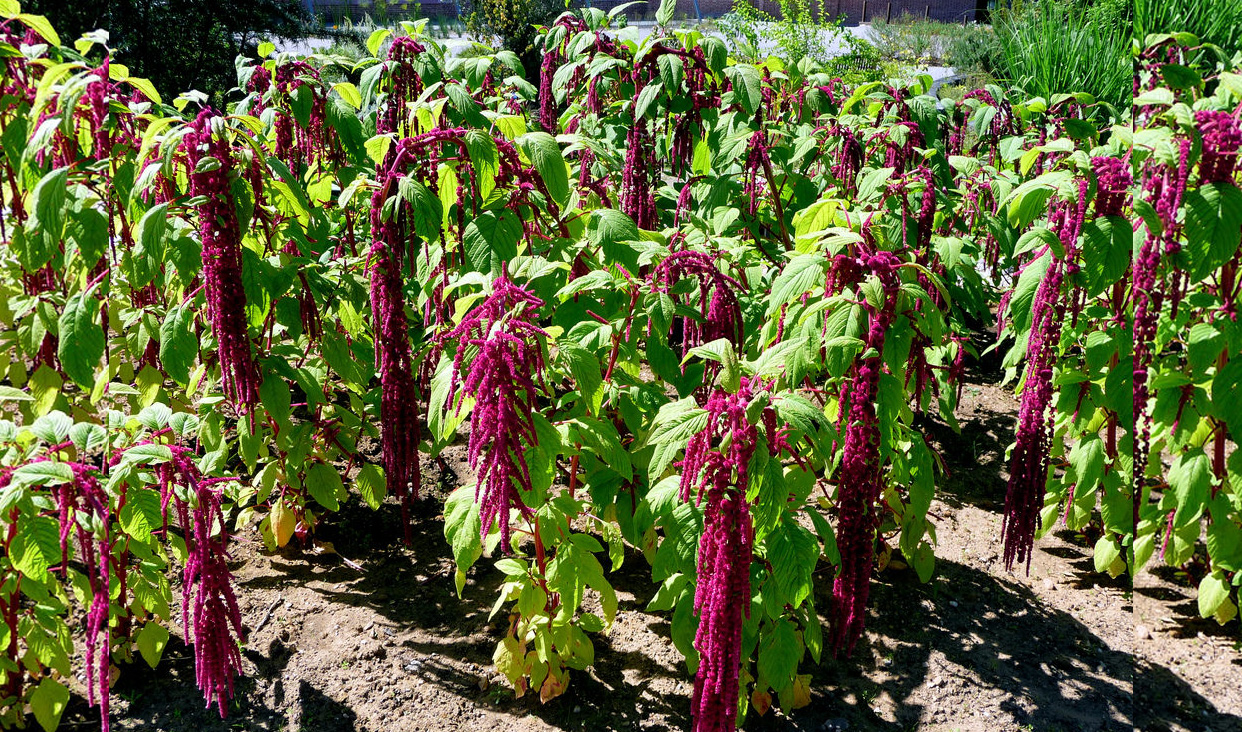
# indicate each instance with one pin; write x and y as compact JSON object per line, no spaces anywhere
{"x":780,"y":650}
{"x":462,"y":528}
{"x":584,"y":366}
{"x":747,"y":86}
{"x":1106,"y":245}
{"x":664,"y":15}
{"x":428,"y":210}
{"x":48,"y":702}
{"x":549,"y":162}
{"x":1226,"y":403}
{"x":485,"y":159}
{"x":800,"y":276}
{"x":141,"y":513}
{"x":50,"y":195}
{"x":82,"y":340}
{"x":376,"y":39}
{"x":152,"y":640}
{"x":674,"y":425}
{"x":491,"y":240}
{"x":45,"y":473}
{"x":1180,"y":77}
{"x":36,"y":546}
{"x":10,"y":394}
{"x":178,"y":344}
{"x":1107,"y":551}
{"x":349,"y":93}
{"x":1191,"y":480}
{"x":1213,"y":592}
{"x":323,"y":482}
{"x":1213,"y":227}
{"x":793,"y":552}
{"x":371,"y":485}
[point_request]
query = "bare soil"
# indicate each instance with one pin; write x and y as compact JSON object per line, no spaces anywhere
{"x":977,"y":649}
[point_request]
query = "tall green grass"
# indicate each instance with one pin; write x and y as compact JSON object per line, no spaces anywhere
{"x":1048,"y":47}
{"x":1213,"y":21}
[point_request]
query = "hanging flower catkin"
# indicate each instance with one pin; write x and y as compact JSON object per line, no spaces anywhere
{"x":716,"y":465}
{"x":1028,"y":466}
{"x":211,"y":616}
{"x":861,"y":483}
{"x":400,"y":429}
{"x":221,"y":235}
{"x":501,"y":378}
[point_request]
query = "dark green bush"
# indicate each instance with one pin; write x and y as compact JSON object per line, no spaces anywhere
{"x":178,"y":44}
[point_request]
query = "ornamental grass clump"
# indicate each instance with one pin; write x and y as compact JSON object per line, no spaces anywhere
{"x":210,"y":161}
{"x":499,"y":358}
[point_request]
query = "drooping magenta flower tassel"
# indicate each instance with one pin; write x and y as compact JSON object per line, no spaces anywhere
{"x":399,"y":414}
{"x":222,"y":258}
{"x":860,"y":484}
{"x":501,"y":377}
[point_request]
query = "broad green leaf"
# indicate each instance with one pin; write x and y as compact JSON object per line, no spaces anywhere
{"x":323,"y":482}
{"x":35,"y":546}
{"x":545,"y":154}
{"x":491,"y":240}
{"x":1213,"y":227}
{"x":178,"y":344}
{"x":48,"y":702}
{"x":82,"y":340}
{"x":372,"y":485}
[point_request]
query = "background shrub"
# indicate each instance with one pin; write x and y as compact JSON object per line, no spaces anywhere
{"x":179,"y":44}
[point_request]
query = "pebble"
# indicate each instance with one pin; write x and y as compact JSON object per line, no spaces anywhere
{"x":835,"y":725}
{"x":937,"y":681}
{"x":1049,"y":585}
{"x":1142,"y":632}
{"x":952,"y":603}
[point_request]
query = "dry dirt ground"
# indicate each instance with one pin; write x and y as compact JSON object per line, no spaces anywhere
{"x":390,"y":647}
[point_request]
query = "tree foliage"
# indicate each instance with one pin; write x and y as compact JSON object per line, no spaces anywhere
{"x":178,"y":44}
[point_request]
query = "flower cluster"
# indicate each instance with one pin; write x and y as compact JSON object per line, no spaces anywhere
{"x":1113,"y":181}
{"x":399,"y":419}
{"x":860,"y":483}
{"x":715,"y":465}
{"x":501,"y":374}
{"x":637,"y":183}
{"x":1221,"y":140}
{"x":757,"y":162}
{"x":1029,"y":462}
{"x":406,"y":83}
{"x":222,"y":261}
{"x":209,"y":607}
{"x":718,"y":303}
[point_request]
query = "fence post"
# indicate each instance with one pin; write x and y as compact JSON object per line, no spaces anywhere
{"x":863,"y":19}
{"x":888,"y":14}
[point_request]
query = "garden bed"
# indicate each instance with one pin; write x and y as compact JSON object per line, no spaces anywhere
{"x":390,"y":646}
